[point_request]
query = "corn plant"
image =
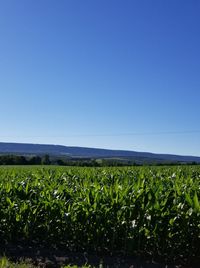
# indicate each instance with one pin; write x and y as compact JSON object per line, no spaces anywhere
{"x":149,"y":211}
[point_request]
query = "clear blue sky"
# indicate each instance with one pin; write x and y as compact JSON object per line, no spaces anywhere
{"x":122,"y":74}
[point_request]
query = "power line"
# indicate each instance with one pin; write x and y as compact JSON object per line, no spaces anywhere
{"x":106,"y":134}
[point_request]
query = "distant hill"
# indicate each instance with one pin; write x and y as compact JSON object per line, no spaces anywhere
{"x":82,"y":152}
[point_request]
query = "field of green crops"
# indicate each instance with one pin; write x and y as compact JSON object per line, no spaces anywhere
{"x":145,"y":211}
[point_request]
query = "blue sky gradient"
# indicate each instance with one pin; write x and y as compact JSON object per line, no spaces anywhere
{"x":105,"y":73}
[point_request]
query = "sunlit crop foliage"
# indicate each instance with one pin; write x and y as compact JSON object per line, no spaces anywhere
{"x":152,"y":211}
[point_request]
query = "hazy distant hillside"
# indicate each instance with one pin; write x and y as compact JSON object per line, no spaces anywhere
{"x":59,"y":150}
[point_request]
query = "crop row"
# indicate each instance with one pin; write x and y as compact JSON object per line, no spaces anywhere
{"x":147,"y":211}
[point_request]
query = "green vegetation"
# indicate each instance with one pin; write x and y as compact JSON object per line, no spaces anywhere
{"x":9,"y":159}
{"x":5,"y":263}
{"x":146,"y":211}
{"x":45,"y":159}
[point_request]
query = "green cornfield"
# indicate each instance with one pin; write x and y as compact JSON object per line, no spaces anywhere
{"x":142,"y":211}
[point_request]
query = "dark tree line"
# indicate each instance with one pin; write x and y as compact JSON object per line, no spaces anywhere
{"x":22,"y":160}
{"x":81,"y":162}
{"x":46,"y":160}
